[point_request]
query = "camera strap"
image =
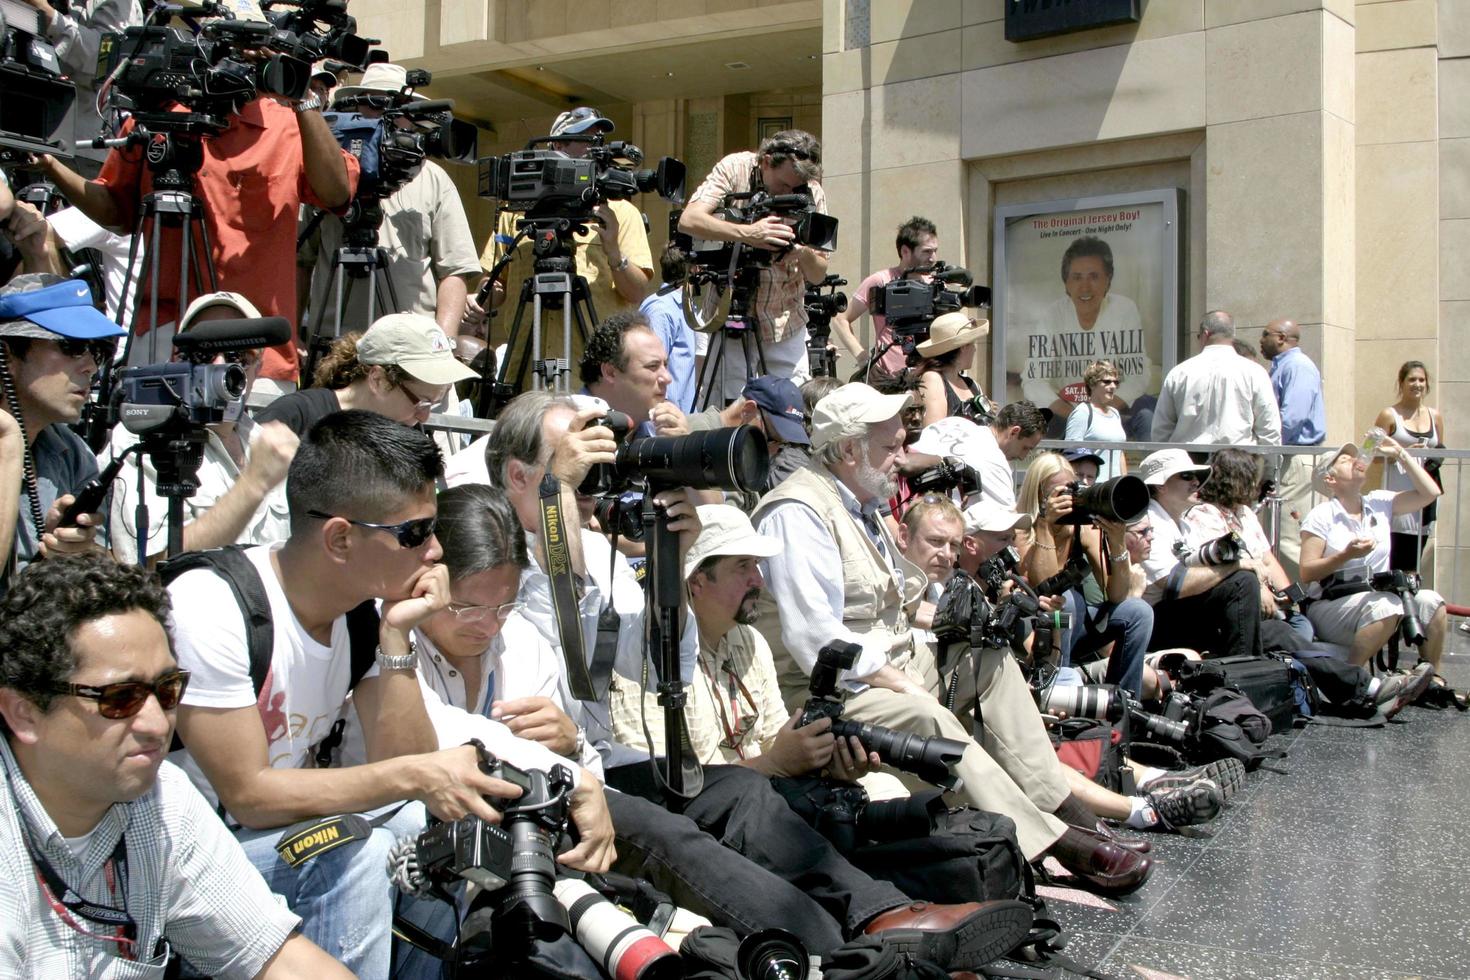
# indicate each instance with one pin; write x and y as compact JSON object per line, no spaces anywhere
{"x":66,"y":902}
{"x":305,"y":841}
{"x":565,"y":601}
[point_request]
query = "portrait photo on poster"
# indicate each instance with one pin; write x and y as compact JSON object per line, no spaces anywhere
{"x":1085,"y":280}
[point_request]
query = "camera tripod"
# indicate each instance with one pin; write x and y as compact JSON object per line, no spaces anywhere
{"x":359,"y":262}
{"x":739,"y":326}
{"x":553,"y":284}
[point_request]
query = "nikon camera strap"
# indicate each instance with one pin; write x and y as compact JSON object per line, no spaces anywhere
{"x":564,"y":599}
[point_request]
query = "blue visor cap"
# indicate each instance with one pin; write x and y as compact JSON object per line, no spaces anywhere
{"x":782,"y":404}
{"x":65,"y":308}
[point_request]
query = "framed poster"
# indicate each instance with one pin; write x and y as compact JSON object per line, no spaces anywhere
{"x":1083,"y":280}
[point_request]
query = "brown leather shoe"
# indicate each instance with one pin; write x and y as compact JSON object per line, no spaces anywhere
{"x":957,"y":937}
{"x":1123,"y":840}
{"x":1108,"y":868}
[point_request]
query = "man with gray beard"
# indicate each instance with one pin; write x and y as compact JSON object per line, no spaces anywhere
{"x":840,"y":575}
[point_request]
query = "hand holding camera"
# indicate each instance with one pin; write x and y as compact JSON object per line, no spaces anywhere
{"x":771,"y":233}
{"x":588,"y":442}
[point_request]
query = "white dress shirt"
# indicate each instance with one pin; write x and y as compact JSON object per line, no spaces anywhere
{"x":1218,"y":397}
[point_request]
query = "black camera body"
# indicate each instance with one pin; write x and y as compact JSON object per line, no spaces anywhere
{"x":951,"y":473}
{"x":1404,"y":585}
{"x":930,"y":758}
{"x":715,"y":261}
{"x":1123,"y":499}
{"x":1224,"y":550}
{"x":37,"y":92}
{"x":823,"y":302}
{"x":978,"y":409}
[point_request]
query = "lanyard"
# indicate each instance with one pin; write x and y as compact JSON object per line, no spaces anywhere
{"x":736,"y":733}
{"x":124,"y":927}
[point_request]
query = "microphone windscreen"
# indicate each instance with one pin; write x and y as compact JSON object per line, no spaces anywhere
{"x":243,"y":334}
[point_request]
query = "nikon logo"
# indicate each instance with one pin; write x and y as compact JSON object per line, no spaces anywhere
{"x":295,"y":850}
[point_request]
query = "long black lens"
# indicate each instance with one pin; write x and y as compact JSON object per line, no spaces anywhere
{"x":1123,"y":498}
{"x":930,"y":757}
{"x":724,"y":459}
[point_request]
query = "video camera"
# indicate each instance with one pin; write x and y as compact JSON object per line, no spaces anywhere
{"x":37,"y":92}
{"x":515,"y":862}
{"x":822,"y":302}
{"x":909,"y":304}
{"x":548,"y":183}
{"x":1122,"y":499}
{"x":798,"y":210}
{"x":931,"y":758}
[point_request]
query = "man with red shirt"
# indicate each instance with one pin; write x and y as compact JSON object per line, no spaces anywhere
{"x":269,"y":160}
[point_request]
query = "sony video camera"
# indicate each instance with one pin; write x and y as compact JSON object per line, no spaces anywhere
{"x":931,"y":758}
{"x":37,"y":92}
{"x":823,"y":302}
{"x":909,"y":303}
{"x":547,"y":183}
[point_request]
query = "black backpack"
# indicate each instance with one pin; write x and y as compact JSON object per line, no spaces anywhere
{"x":1268,"y":681}
{"x":230,"y":564}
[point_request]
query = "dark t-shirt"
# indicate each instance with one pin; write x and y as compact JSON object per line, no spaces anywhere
{"x":300,"y":410}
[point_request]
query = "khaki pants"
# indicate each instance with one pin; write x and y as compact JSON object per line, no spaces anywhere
{"x":1013,"y":770}
{"x":1294,"y":487}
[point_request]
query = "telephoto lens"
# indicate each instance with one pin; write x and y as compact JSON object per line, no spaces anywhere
{"x":620,"y":943}
{"x":1100,"y":701}
{"x":1165,"y":728}
{"x":1223,"y":550}
{"x":1123,"y":499}
{"x":930,"y":757}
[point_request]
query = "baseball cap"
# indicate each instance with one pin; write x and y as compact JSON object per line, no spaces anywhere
{"x":1157,"y":467}
{"x":1318,"y":483}
{"x":415,"y":343}
{"x":234,"y":301}
{"x":782,"y":404}
{"x":1081,"y":453}
{"x":849,"y":410}
{"x":583,"y":119}
{"x":725,"y":530}
{"x":987,"y":515}
{"x":61,"y":306}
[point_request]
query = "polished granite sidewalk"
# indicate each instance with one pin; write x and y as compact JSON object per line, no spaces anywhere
{"x":1354,"y":865}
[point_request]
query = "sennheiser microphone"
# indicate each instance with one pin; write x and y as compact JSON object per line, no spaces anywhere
{"x":216,"y":336}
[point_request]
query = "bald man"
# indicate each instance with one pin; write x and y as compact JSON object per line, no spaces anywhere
{"x":1298,"y":387}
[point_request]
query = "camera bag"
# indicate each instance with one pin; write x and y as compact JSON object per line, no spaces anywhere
{"x":1096,"y":749}
{"x":1268,"y":681}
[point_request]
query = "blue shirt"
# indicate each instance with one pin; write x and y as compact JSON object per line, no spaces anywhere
{"x":666,"y":315}
{"x":1298,"y":387}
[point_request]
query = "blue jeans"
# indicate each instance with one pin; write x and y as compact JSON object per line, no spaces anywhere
{"x":343,"y":896}
{"x":1127,"y":625}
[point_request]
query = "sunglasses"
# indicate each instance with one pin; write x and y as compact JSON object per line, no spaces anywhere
{"x":467,"y":613}
{"x":125,"y":699}
{"x":102,"y":351}
{"x":410,"y":534}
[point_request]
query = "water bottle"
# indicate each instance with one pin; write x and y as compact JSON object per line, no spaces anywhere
{"x":1372,"y":439}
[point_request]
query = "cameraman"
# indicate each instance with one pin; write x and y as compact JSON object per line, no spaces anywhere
{"x":270,"y":158}
{"x":240,"y":497}
{"x":1345,"y":543}
{"x":54,"y":340}
{"x":792,"y":877}
{"x":918,"y":247}
{"x":789,"y":162}
{"x":841,"y":576}
{"x":625,"y":365}
{"x":1213,"y":608}
{"x":613,"y":255}
{"x":431,"y":254}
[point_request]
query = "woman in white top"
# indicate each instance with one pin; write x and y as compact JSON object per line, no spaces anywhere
{"x":1409,"y":422}
{"x":1345,"y":541}
{"x":1095,"y":421}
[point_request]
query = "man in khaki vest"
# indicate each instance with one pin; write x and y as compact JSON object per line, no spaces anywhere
{"x":841,"y":576}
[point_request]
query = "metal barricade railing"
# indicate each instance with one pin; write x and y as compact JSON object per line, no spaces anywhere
{"x":1444,"y":548}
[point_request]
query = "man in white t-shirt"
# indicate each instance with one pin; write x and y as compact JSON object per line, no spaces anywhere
{"x":990,"y":449}
{"x":361,"y":494}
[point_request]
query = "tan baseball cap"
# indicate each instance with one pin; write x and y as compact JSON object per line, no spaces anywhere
{"x":725,"y":530}
{"x":1319,"y":483}
{"x":234,"y":301}
{"x":849,"y":410}
{"x":415,"y":343}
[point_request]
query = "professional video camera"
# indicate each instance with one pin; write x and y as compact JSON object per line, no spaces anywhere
{"x":37,"y":92}
{"x":721,"y":261}
{"x":515,"y":863}
{"x":1404,"y":585}
{"x":821,"y":307}
{"x":1225,"y":549}
{"x":1122,"y":499}
{"x":909,"y":304}
{"x":316,"y":29}
{"x":548,"y":183}
{"x":931,"y":758}
{"x":951,"y":473}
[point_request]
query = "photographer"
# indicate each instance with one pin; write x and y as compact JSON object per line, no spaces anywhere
{"x":1096,"y":550}
{"x":431,"y":255}
{"x":789,"y":162}
{"x":990,"y":449}
{"x":625,"y":365}
{"x":788,"y":875}
{"x":53,"y":340}
{"x":93,"y":821}
{"x":613,"y":255}
{"x":361,"y":493}
{"x":918,"y":246}
{"x":268,"y":161}
{"x":841,"y":576}
{"x":1210,"y":605}
{"x":1345,"y":543}
{"x":240,"y":498}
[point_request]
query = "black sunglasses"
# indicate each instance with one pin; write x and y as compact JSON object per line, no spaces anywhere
{"x":102,"y":351}
{"x":410,"y":534}
{"x":125,"y":699}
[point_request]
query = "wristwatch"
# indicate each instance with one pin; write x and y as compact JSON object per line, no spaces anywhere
{"x":406,"y":661}
{"x":622,"y":264}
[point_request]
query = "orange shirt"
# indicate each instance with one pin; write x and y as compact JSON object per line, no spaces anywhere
{"x":251,"y":185}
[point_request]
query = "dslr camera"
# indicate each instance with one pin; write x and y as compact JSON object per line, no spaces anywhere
{"x":1122,"y":499}
{"x":910,"y":304}
{"x":724,"y":459}
{"x":931,"y":758}
{"x":37,"y":92}
{"x":951,"y":473}
{"x":964,"y":616}
{"x":1224,"y":550}
{"x":1404,"y":585}
{"x":823,"y":302}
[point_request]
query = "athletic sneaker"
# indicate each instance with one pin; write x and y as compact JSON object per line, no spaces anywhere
{"x":1227,"y":774}
{"x":1184,"y":806}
